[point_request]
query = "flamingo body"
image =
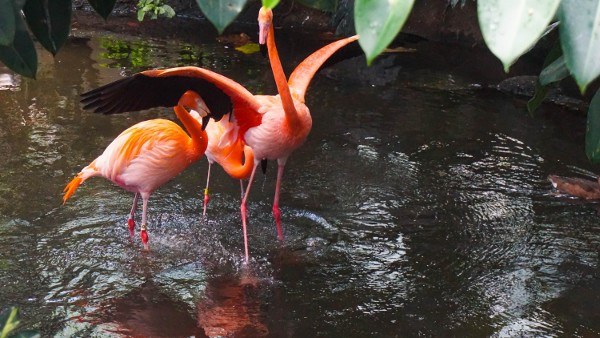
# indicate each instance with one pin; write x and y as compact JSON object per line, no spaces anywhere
{"x":147,"y":155}
{"x":275,"y":138}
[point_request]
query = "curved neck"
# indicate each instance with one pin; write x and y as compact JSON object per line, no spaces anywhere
{"x":232,"y":163}
{"x":279,"y":75}
{"x":193,"y":127}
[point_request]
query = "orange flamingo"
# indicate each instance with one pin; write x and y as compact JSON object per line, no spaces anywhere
{"x":147,"y":155}
{"x":273,"y":126}
{"x":229,"y":151}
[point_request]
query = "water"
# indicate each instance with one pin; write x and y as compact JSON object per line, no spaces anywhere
{"x":418,"y":206}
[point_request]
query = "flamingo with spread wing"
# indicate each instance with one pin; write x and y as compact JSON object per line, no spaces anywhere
{"x":272,"y":125}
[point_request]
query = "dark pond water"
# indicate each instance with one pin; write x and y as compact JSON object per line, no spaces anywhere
{"x":418,"y":206}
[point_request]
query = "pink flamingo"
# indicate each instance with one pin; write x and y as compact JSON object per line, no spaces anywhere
{"x":147,"y":155}
{"x":272,"y":125}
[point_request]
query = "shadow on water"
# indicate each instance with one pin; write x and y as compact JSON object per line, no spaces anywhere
{"x":419,"y":205}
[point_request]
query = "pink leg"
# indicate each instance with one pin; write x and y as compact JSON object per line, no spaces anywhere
{"x":276,"y":212}
{"x":131,"y":219}
{"x":242,"y":188}
{"x":243,"y":210}
{"x":144,"y":227}
{"x":206,"y":198}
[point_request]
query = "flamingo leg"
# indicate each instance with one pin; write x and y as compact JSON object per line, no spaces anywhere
{"x":144,"y":227}
{"x":206,"y":197}
{"x":276,"y":212}
{"x":242,"y":188}
{"x":131,"y":219}
{"x":243,"y":210}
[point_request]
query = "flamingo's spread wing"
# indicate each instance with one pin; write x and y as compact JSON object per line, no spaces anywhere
{"x":304,"y":72}
{"x":163,"y":88}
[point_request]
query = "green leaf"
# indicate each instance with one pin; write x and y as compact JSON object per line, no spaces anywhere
{"x":322,"y":5}
{"x":580,"y":39}
{"x":140,"y":14}
{"x":556,"y":71}
{"x":8,"y":321}
{"x":221,"y":12}
{"x":270,"y":3}
{"x":103,"y":7}
{"x":538,"y":97}
{"x":7,"y":22}
{"x":378,"y":23}
{"x":20,"y":56}
{"x":169,"y":11}
{"x":511,"y":27}
{"x":592,"y":135}
{"x":49,"y":21}
{"x":540,"y":90}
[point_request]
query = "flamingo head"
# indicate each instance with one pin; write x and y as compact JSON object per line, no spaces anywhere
{"x":198,"y":108}
{"x":194,"y":102}
{"x":265,"y":19}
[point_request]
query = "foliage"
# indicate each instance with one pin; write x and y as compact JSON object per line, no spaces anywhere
{"x":378,"y":23}
{"x":9,"y":321}
{"x":511,"y":28}
{"x":592,"y":136}
{"x":154,"y":8}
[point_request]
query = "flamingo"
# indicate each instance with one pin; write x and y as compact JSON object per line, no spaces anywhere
{"x":272,"y":125}
{"x":228,"y":151}
{"x":223,"y":147}
{"x":147,"y":155}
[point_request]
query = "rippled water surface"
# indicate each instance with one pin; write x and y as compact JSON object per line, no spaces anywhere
{"x":419,"y":205}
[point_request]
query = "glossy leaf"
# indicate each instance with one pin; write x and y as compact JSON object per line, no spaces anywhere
{"x":378,"y":23}
{"x":221,"y":12}
{"x":103,"y":7}
{"x":270,"y":3}
{"x":556,"y":71}
{"x":580,"y":39}
{"x":592,"y":135}
{"x":7,"y":22}
{"x":322,"y":5}
{"x":542,"y":90}
{"x":20,"y":56}
{"x":49,"y":21}
{"x":511,"y":27}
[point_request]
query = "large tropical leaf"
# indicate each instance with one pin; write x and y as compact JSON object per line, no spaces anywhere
{"x":592,"y":135}
{"x":20,"y":56}
{"x":323,"y":5}
{"x":580,"y":39}
{"x":7,"y":22}
{"x":221,"y":12}
{"x":102,"y":7}
{"x":49,"y":21}
{"x":511,"y":27}
{"x":378,"y":22}
{"x":270,"y":3}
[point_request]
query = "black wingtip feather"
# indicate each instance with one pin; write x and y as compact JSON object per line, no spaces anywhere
{"x":140,"y":92}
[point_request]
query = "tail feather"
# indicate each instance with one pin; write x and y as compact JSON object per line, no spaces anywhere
{"x":72,"y":186}
{"x":86,"y":173}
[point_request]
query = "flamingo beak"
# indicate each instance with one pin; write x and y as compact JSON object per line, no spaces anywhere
{"x":263,"y":30}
